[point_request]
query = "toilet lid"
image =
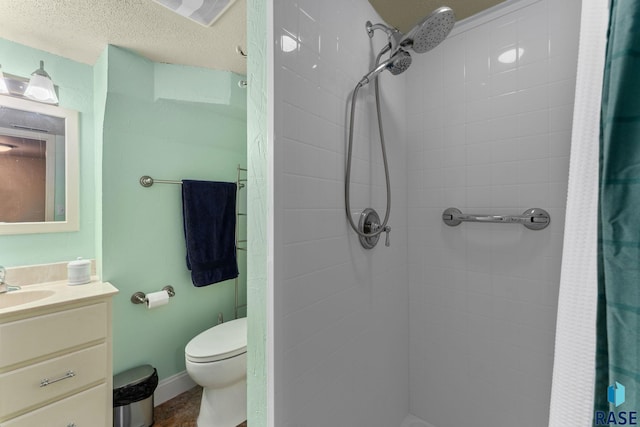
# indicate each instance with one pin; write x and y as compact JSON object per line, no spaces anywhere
{"x":219,"y":342}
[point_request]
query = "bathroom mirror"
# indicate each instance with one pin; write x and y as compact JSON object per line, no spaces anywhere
{"x":38,"y":167}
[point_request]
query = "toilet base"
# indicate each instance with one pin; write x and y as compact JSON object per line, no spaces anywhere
{"x":224,"y":407}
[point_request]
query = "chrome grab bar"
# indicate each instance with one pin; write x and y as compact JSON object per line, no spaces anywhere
{"x":533,"y":219}
{"x":45,"y":382}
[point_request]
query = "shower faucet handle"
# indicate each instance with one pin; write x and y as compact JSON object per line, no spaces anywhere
{"x":387,"y":240}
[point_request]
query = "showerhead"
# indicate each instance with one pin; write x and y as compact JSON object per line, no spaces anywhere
{"x":426,"y":35}
{"x":431,"y":31}
{"x":398,"y":63}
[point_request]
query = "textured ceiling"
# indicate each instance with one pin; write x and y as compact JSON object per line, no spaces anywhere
{"x":404,"y":14}
{"x":81,"y":29}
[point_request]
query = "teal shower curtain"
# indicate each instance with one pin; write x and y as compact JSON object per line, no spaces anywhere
{"x":617,"y":387}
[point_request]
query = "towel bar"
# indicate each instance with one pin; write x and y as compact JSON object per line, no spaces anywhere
{"x":533,"y":219}
{"x":241,"y":178}
{"x":147,"y":181}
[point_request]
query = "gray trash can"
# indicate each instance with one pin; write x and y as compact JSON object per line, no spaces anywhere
{"x":133,"y":397}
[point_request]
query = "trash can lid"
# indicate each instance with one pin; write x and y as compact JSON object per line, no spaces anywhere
{"x":132,"y":376}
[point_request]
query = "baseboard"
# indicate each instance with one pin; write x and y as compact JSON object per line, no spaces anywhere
{"x":172,"y":386}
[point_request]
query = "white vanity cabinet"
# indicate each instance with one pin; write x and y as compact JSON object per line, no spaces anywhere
{"x":56,"y":364}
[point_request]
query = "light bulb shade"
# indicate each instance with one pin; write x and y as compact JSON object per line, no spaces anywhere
{"x":4,"y":90}
{"x":204,"y":12}
{"x":41,"y":89}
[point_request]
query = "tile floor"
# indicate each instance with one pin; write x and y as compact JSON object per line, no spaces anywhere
{"x":181,"y":411}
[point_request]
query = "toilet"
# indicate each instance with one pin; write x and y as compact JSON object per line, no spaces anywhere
{"x":216,"y":359}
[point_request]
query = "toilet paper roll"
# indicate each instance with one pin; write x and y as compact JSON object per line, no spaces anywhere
{"x":156,"y":299}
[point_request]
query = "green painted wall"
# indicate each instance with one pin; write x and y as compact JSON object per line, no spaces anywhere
{"x":142,"y":125}
{"x":260,"y":205}
{"x":172,"y":135}
{"x":75,"y":84}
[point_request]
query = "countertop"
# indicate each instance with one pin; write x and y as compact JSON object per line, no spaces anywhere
{"x":62,"y":294}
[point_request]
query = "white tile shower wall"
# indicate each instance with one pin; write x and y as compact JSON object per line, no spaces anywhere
{"x":341,"y":312}
{"x":489,"y":119}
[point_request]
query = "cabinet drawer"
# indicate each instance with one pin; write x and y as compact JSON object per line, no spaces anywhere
{"x":42,"y":335}
{"x":86,"y":409}
{"x":22,"y":389}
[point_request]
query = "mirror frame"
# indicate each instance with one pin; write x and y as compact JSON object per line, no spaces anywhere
{"x":72,"y":170}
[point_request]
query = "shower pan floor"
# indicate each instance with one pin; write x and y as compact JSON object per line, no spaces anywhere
{"x":411,"y":421}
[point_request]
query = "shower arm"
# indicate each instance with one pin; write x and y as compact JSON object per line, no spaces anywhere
{"x":393,"y":35}
{"x":372,"y":27}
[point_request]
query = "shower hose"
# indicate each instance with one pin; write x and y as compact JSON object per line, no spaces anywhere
{"x":383,"y":227}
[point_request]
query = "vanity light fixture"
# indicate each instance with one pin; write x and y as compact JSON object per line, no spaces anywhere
{"x":204,"y":12}
{"x":41,"y":87}
{"x":6,"y":147}
{"x":4,"y":90}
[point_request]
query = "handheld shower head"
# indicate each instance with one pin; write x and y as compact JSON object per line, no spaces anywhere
{"x":431,"y":31}
{"x":398,"y":63}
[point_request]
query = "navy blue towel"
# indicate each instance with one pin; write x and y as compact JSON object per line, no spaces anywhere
{"x":209,"y":211}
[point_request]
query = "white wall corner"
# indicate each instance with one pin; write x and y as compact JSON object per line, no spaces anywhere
{"x":490,"y":14}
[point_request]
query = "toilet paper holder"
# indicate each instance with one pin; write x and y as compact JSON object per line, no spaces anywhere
{"x":141,"y":298}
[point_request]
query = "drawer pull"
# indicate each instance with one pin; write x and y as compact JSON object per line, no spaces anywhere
{"x":45,"y":382}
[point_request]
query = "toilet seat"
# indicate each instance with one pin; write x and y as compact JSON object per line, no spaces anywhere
{"x":220,"y":342}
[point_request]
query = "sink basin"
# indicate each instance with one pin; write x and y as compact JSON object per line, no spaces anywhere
{"x":14,"y":298}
